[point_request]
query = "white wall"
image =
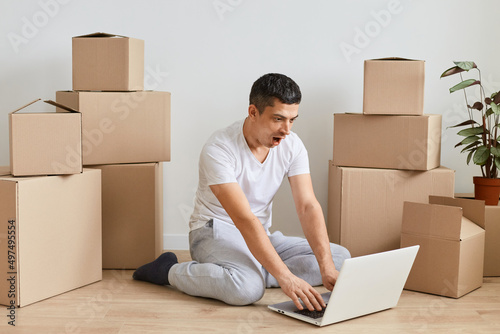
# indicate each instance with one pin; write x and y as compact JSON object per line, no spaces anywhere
{"x":209,"y":52}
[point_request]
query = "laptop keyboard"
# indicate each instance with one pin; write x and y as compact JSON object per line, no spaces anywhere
{"x":312,"y":314}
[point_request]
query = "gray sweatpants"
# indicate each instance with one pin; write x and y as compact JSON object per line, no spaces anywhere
{"x":224,"y":269}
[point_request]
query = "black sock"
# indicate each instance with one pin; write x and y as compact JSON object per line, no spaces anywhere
{"x":157,"y":271}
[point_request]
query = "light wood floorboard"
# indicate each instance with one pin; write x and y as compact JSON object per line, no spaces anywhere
{"x":118,"y":304}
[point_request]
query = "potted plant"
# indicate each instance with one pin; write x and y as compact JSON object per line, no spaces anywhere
{"x":481,"y":141}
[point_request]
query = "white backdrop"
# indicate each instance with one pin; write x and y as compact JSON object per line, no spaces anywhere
{"x":209,"y":52}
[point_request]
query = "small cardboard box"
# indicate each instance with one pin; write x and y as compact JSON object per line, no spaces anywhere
{"x":451,"y":238}
{"x":365,"y":205}
{"x":394,"y":86}
{"x":396,"y":142}
{"x":492,"y":237}
{"x":107,"y":62}
{"x":45,"y":143}
{"x":50,"y":239}
{"x":122,"y":127}
{"x":132,"y":214}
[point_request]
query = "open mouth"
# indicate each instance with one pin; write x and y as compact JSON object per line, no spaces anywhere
{"x":277,"y":140}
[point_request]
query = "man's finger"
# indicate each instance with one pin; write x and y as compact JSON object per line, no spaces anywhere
{"x":296,"y":301}
{"x":319,"y":298}
{"x":310,"y":301}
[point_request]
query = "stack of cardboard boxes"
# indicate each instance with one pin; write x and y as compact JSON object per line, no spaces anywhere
{"x":50,"y":225}
{"x":388,"y":159}
{"x":125,"y":134}
{"x":383,"y":157}
{"x":62,"y":223}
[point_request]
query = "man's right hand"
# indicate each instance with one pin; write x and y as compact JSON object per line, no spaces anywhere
{"x":296,"y":288}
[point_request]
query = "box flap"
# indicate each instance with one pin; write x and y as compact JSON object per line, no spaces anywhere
{"x":469,"y":229}
{"x":100,"y":34}
{"x":26,"y":105}
{"x":472,"y":209}
{"x":49,"y":102}
{"x":59,"y":105}
{"x":439,"y":221}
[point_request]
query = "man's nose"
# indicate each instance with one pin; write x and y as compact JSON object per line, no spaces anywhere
{"x":287,"y":126}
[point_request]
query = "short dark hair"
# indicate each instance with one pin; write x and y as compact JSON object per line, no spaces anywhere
{"x":274,"y":85}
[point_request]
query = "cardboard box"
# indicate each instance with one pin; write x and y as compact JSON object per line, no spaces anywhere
{"x":45,"y":143}
{"x":394,"y":86}
{"x":396,"y":142}
{"x":132,"y":214}
{"x":122,"y":127}
{"x":492,"y":237}
{"x":108,"y":62}
{"x":451,"y":238}
{"x":50,"y":239}
{"x":365,"y":205}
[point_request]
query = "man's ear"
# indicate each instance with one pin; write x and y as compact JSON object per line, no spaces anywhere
{"x":252,"y":111}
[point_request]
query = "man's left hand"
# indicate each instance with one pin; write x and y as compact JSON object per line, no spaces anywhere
{"x":330,"y":278}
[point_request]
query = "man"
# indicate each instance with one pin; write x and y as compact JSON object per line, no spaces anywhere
{"x":241,"y":169}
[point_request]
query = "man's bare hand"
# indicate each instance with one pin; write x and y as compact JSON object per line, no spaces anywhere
{"x":296,"y":288}
{"x":330,"y":278}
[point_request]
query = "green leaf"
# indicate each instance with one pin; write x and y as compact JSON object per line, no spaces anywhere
{"x":470,"y":131}
{"x":469,"y":140}
{"x":465,"y":65}
{"x":467,"y":122}
{"x":488,"y":112}
{"x":497,"y":162}
{"x":464,"y":84}
{"x":469,"y":156}
{"x":481,"y":156}
{"x":495,"y":108}
{"x":470,"y":146}
{"x":451,"y":71}
{"x":495,"y":151}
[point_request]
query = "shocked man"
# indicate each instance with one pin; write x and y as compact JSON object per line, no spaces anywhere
{"x":235,"y":256}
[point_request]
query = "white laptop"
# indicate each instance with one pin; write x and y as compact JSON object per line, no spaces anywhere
{"x":366,"y":284}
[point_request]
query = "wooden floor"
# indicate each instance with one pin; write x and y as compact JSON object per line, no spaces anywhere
{"x":118,"y":304}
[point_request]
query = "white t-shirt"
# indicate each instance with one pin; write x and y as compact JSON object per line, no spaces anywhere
{"x":226,"y":158}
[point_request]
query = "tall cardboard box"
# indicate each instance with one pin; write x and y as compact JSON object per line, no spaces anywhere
{"x":491,"y":238}
{"x":45,"y":143}
{"x":106,"y":62}
{"x":122,"y":127}
{"x":396,"y":142}
{"x":451,"y":238}
{"x":365,"y":205}
{"x":50,"y":240}
{"x":394,"y":86}
{"x":492,"y":241}
{"x":132,"y":214}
